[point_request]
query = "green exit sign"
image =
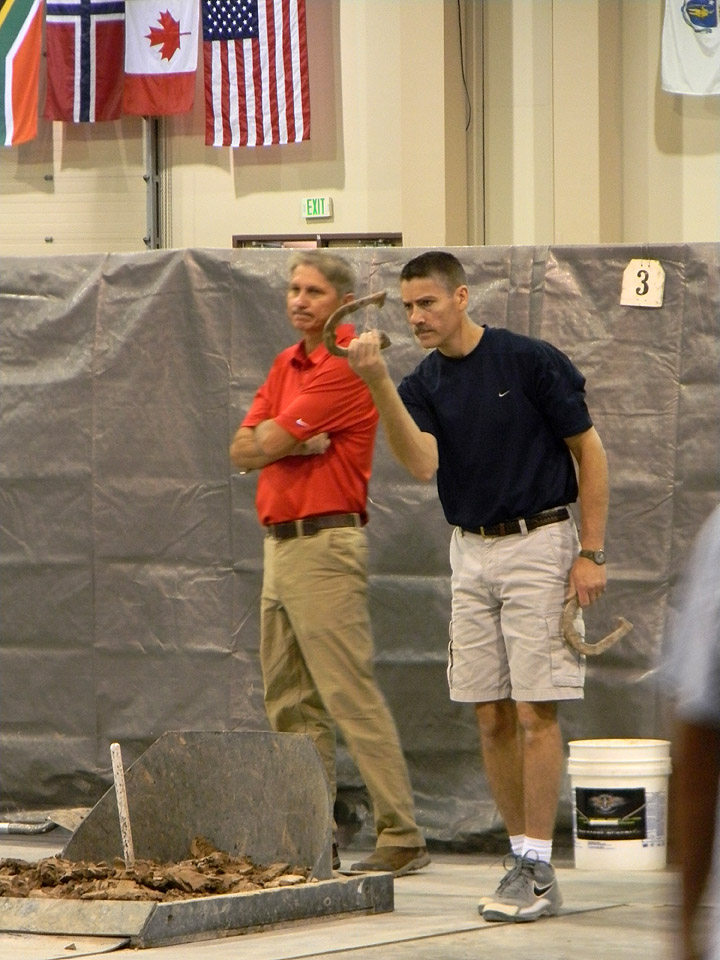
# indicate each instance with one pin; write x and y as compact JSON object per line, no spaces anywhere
{"x":317,"y":208}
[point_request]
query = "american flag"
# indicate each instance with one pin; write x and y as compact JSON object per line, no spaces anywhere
{"x":256,"y":72}
{"x":84,"y":60}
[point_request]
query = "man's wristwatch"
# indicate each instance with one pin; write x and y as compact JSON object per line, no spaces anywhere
{"x":597,"y":556}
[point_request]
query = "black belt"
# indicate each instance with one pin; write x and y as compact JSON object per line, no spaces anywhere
{"x":522,"y":524}
{"x":309,"y":526}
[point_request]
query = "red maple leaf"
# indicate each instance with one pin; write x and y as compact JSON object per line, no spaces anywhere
{"x":168,"y":34}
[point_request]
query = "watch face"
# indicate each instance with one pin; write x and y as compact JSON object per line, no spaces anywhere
{"x":599,"y":556}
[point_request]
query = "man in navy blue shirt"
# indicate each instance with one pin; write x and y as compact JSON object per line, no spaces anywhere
{"x":500,"y":420}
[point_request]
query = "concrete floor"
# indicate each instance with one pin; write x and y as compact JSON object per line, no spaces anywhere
{"x":613,"y":915}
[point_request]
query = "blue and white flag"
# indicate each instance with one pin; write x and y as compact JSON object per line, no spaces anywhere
{"x":691,"y":47}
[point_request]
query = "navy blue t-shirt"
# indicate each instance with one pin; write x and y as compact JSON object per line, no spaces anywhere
{"x":499,"y":416}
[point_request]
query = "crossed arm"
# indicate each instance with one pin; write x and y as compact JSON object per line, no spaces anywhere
{"x":255,"y":447}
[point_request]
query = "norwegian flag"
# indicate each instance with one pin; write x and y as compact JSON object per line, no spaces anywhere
{"x":256,"y":72}
{"x":85,"y":61}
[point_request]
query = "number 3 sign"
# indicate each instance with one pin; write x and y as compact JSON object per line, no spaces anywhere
{"x":643,"y":284}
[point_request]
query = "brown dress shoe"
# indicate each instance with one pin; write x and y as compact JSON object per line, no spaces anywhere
{"x":395,"y":860}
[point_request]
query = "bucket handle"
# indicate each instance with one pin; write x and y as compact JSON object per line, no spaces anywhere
{"x":573,"y":638}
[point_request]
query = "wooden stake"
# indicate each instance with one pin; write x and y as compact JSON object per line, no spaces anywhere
{"x":122,"y":804}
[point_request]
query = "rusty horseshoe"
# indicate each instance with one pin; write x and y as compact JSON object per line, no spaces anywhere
{"x":573,"y":638}
{"x":376,"y":299}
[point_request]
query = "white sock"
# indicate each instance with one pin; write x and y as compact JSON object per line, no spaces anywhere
{"x":516,"y":844}
{"x":542,"y":849}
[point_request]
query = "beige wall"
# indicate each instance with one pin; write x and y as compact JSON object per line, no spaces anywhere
{"x":387,"y":137}
{"x":671,"y":183}
{"x":581,"y":144}
{"x":76,"y":188}
{"x":569,"y":140}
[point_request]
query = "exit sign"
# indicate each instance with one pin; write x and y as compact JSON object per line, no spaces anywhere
{"x":317,"y":208}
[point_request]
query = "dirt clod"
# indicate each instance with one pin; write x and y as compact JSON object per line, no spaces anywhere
{"x":206,"y":872}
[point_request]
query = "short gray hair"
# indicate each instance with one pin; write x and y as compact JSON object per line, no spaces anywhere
{"x":336,"y":270}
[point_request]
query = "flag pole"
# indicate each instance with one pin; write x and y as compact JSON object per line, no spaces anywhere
{"x":153,"y":236}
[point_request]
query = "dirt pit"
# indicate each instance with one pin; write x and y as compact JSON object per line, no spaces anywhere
{"x":205,"y":873}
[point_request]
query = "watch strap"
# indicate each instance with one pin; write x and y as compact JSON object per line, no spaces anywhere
{"x":597,"y":556}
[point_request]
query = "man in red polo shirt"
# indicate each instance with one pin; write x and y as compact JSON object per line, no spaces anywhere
{"x":310,"y":431}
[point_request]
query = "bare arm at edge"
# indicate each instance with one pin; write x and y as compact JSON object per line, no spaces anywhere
{"x":696,"y":785}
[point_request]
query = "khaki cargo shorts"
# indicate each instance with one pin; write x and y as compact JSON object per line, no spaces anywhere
{"x":507,"y":601}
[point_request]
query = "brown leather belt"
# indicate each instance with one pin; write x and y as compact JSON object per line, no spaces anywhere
{"x":309,"y":526}
{"x":522,"y":524}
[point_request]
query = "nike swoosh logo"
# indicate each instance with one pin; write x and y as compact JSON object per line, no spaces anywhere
{"x":504,"y":393}
{"x":541,"y":891}
{"x":301,"y":423}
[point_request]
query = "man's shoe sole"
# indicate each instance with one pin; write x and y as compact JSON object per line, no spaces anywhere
{"x":416,"y":864}
{"x":498,"y":915}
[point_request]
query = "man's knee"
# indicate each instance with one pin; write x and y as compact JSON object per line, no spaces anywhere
{"x":538,"y":718}
{"x":497,"y":719}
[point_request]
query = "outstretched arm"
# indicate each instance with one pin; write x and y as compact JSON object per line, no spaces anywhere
{"x":587,"y":579}
{"x":416,"y":451}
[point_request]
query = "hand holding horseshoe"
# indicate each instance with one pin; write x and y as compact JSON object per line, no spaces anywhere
{"x":374,"y":299}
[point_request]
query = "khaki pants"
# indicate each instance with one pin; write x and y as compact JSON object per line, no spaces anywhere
{"x":316,"y":652}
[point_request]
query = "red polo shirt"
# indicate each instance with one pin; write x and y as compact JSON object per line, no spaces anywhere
{"x":307,"y":395}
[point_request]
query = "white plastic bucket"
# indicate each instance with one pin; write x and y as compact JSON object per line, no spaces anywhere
{"x":619,"y":792}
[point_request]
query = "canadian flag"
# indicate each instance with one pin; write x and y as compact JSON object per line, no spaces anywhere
{"x":161,"y":53}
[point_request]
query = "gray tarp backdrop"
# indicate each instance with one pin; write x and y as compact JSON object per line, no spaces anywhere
{"x":130,"y":554}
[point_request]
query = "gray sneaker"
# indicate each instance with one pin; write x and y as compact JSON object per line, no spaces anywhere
{"x":531,"y":892}
{"x":510,"y":872}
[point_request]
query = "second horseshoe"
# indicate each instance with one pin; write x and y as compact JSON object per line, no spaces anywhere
{"x":573,"y":638}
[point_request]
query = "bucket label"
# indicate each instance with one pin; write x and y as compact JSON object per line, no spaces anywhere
{"x":609,"y":814}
